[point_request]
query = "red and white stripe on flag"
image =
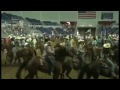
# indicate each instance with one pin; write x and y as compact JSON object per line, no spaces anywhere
{"x":87,"y":14}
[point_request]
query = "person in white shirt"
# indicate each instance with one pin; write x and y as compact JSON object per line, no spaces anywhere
{"x":13,"y":42}
{"x":80,"y":52}
{"x":34,"y":42}
{"x":5,"y":54}
{"x":14,"y":50}
{"x":23,"y":42}
{"x":81,"y":45}
{"x":49,"y":57}
{"x":94,"y":42}
{"x":72,"y":43}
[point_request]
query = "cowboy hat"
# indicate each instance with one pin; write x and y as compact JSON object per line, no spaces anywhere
{"x":49,"y":42}
{"x":107,"y":45}
{"x":62,"y":44}
{"x":67,"y":37}
{"x":80,"y":40}
{"x":81,"y":50}
{"x":26,"y":44}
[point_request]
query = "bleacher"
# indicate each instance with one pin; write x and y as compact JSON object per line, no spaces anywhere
{"x":63,"y":31}
{"x":34,"y":21}
{"x":109,"y":30}
{"x":6,"y":16}
{"x":116,"y":30}
{"x":49,"y":23}
{"x":45,"y":30}
{"x":9,"y":18}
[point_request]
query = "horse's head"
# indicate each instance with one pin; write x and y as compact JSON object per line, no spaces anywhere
{"x":59,"y":49}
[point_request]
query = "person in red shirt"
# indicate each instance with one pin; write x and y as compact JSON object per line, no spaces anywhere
{"x":8,"y":40}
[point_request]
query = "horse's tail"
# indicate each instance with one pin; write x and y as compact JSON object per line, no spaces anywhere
{"x":82,"y":72}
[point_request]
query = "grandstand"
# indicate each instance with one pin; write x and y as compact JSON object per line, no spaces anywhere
{"x":34,"y":25}
{"x":45,"y":26}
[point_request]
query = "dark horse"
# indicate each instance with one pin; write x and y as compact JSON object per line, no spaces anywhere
{"x":96,"y":68}
{"x":34,"y":65}
{"x":26,"y":54}
{"x":9,"y":54}
{"x":70,"y":63}
{"x":115,"y":57}
{"x":89,"y":53}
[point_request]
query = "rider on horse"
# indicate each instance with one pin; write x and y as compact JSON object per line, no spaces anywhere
{"x":80,"y":52}
{"x":67,"y":43}
{"x":106,"y":52}
{"x":81,"y":46}
{"x":49,"y":57}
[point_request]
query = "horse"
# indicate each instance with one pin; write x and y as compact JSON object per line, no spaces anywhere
{"x":115,"y":56}
{"x":97,"y":53}
{"x":75,"y":63}
{"x":67,"y":67}
{"x":95,"y":69}
{"x":34,"y":66}
{"x":20,"y":53}
{"x":18,"y":56}
{"x":9,"y":54}
{"x":26,"y":54}
{"x":60,"y":54}
{"x":89,"y":53}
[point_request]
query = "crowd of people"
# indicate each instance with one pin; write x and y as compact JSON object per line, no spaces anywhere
{"x":68,"y":42}
{"x":19,"y":40}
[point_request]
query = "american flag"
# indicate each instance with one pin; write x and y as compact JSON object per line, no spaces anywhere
{"x":86,"y":14}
